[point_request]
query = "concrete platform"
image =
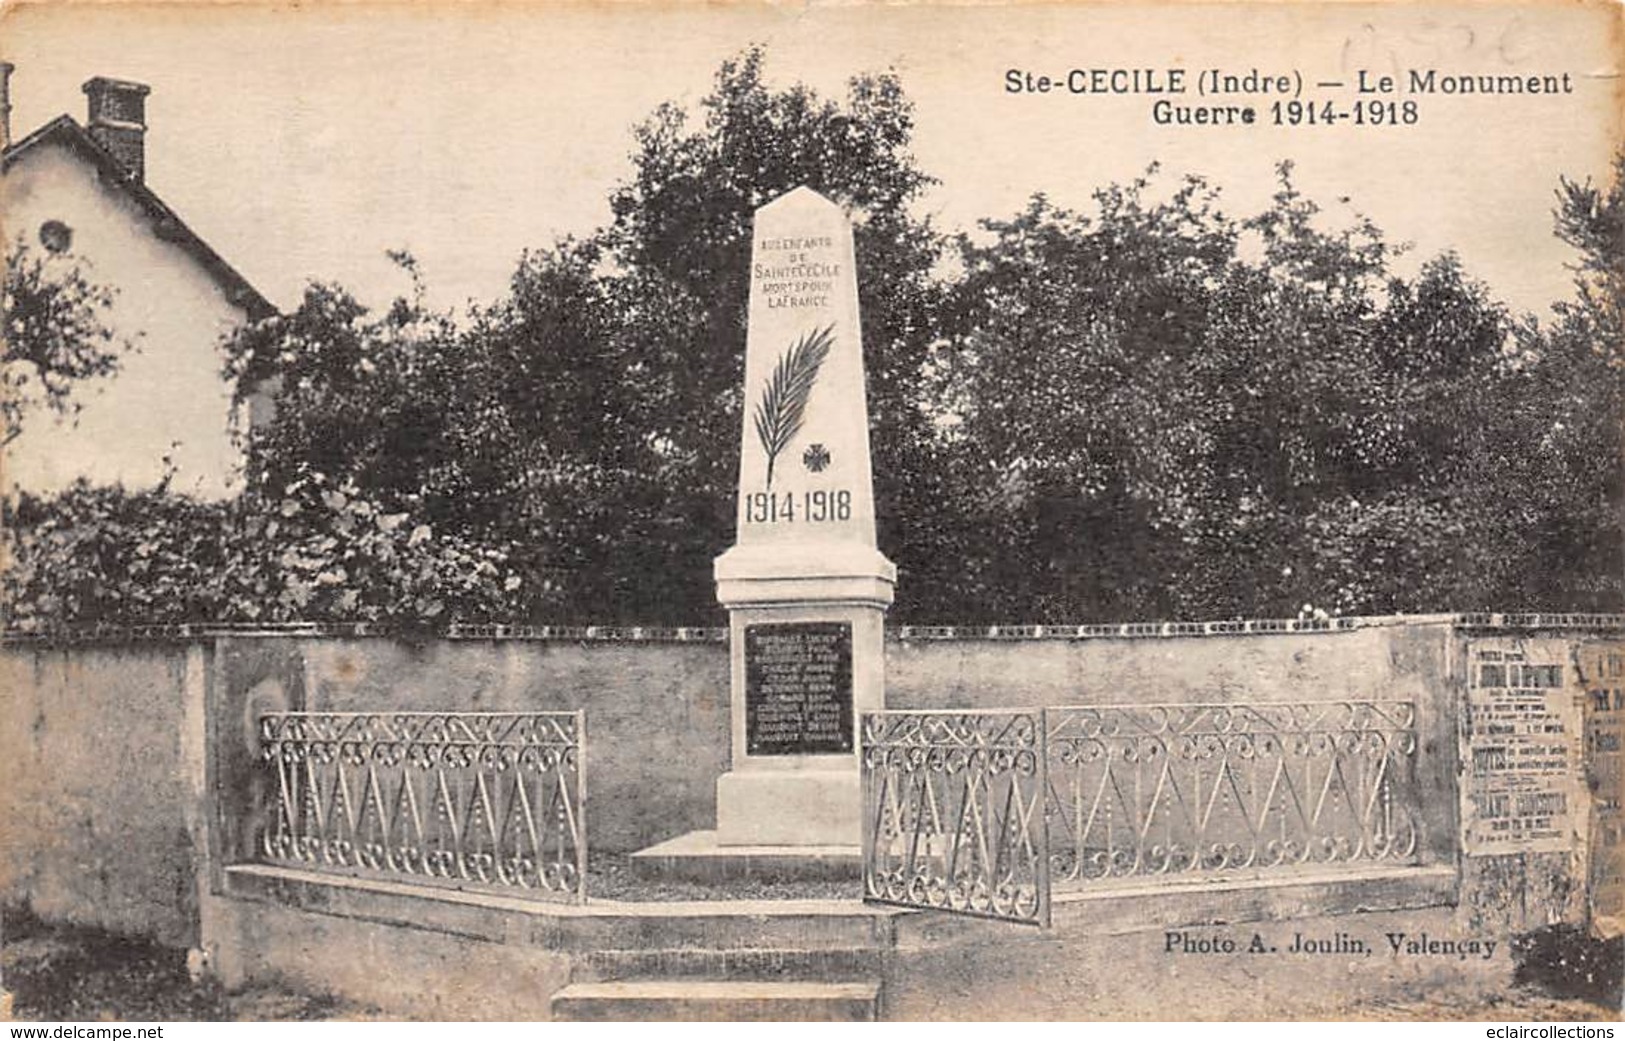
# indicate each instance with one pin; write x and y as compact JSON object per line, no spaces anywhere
{"x":697,"y":857}
{"x":456,"y":955}
{"x":717,"y":1001}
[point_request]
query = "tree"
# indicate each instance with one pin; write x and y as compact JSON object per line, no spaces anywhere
{"x":1163,"y":423}
{"x":340,"y":519}
{"x":590,"y":418}
{"x":377,"y":422}
{"x":666,"y":321}
{"x":1565,"y":445}
{"x":1592,"y":221}
{"x":1151,"y":410}
{"x":318,"y":550}
{"x":1069,"y":384}
{"x":57,"y":335}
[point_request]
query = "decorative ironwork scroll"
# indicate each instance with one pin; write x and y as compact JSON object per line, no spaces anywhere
{"x":1165,"y":790}
{"x":954,"y":813}
{"x":469,"y":799}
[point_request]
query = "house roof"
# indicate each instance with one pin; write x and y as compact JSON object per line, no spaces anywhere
{"x":66,"y":133}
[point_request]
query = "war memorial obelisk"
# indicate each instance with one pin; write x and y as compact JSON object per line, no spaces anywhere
{"x":804,"y":584}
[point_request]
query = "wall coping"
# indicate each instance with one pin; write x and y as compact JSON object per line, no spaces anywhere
{"x":623,"y":634}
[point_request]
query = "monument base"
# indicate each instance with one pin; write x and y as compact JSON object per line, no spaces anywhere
{"x":807,"y":652}
{"x":789,"y":808}
{"x":814,"y":573}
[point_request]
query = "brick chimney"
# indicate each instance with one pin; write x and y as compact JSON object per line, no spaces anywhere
{"x":5,"y":103}
{"x":118,"y":121}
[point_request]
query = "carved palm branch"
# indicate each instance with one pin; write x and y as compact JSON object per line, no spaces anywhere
{"x":783,"y":404}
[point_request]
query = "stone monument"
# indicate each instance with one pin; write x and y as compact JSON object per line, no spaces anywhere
{"x":805,"y":587}
{"x":804,"y":584}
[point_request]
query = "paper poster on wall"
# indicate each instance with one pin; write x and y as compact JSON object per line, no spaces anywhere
{"x":1522,"y":787}
{"x":1602,"y":677}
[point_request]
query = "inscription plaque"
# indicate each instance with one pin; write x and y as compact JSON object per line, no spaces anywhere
{"x":798,"y":688}
{"x":1521,"y":790}
{"x":1602,"y":673}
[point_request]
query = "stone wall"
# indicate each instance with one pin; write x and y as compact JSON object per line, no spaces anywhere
{"x":657,"y":712}
{"x":1381,"y":660}
{"x":109,"y":750}
{"x":1398,"y":661}
{"x":98,"y":793}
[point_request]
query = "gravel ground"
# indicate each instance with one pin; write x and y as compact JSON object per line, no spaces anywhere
{"x":1522,"y":1005}
{"x":609,"y":877}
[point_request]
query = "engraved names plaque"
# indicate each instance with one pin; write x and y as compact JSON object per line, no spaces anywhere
{"x":798,"y":688}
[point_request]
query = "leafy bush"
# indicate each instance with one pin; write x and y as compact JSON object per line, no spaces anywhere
{"x":318,"y":552}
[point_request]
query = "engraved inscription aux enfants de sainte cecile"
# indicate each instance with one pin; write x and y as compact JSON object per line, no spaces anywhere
{"x":800,"y":281}
{"x":797,"y":277}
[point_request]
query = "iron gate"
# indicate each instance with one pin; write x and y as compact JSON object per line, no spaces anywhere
{"x":1150,"y":792}
{"x":954,"y":813}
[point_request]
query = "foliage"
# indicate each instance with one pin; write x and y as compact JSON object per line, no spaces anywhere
{"x":316,"y":552}
{"x":1163,"y":411}
{"x":449,"y":424}
{"x":1562,"y":447}
{"x":1592,"y":220}
{"x":678,"y":256}
{"x":57,"y":335}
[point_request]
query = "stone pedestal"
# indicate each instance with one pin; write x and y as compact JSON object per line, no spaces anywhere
{"x":803,"y":790}
{"x":788,"y":807}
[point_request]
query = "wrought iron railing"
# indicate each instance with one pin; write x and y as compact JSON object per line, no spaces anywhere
{"x":1165,"y":790}
{"x":467,"y":799}
{"x":980,"y":812}
{"x":954,"y":812}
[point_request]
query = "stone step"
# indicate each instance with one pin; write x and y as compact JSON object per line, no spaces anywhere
{"x":760,"y":964}
{"x":713,"y":1001}
{"x":734,"y":925}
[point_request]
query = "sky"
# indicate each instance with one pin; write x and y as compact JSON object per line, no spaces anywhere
{"x":304,"y":141}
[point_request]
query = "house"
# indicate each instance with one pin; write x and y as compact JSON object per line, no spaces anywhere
{"x":79,"y":192}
